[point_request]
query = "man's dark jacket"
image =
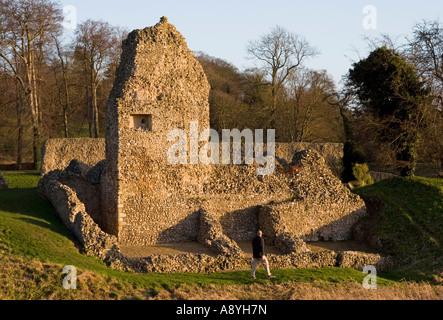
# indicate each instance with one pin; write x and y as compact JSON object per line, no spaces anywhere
{"x":258,"y":246}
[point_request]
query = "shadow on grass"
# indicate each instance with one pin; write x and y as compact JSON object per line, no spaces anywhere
{"x":27,"y":206}
{"x":22,"y":179}
{"x":37,"y":232}
{"x":408,"y":276}
{"x":39,"y":223}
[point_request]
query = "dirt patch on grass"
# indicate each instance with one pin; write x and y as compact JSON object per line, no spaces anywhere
{"x":187,"y":247}
{"x":246,"y":246}
{"x":165,"y":249}
{"x":340,"y":246}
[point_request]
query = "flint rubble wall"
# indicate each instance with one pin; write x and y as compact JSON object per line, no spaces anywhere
{"x":58,"y":153}
{"x":97,"y":243}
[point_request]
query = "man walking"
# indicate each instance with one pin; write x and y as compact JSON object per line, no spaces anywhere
{"x":258,"y":245}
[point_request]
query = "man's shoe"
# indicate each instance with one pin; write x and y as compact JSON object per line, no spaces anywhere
{"x":254,"y":277}
{"x":271,"y":277}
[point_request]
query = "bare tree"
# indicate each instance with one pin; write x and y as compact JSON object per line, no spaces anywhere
{"x":426,"y":51}
{"x":61,"y":65}
{"x":25,"y":26}
{"x":97,"y":44}
{"x":427,"y":54}
{"x":11,"y":101}
{"x":280,"y":52}
{"x":308,"y":91}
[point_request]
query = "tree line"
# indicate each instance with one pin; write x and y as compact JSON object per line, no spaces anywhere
{"x":389,"y":110}
{"x":395,"y":96}
{"x":280,"y":92}
{"x":51,"y":86}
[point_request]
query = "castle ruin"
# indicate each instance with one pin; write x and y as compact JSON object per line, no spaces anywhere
{"x":140,"y":199}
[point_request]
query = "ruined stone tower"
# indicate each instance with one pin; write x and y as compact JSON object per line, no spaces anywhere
{"x":146,"y":199}
{"x":159,"y":86}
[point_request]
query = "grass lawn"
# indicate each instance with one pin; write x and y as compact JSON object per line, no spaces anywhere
{"x":35,"y":246}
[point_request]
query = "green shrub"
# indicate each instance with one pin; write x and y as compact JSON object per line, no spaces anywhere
{"x":353,"y":154}
{"x":361,"y":174}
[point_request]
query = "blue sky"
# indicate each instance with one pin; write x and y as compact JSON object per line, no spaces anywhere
{"x":223,"y":28}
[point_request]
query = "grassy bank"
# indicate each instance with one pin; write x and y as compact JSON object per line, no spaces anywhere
{"x":34,"y":247}
{"x":406,"y":220}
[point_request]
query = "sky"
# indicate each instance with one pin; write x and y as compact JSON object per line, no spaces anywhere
{"x":223,"y":28}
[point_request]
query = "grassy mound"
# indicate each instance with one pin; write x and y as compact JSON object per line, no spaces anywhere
{"x":35,"y":246}
{"x":406,"y":220}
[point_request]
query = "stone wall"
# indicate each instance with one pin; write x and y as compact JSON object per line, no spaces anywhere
{"x":240,"y":225}
{"x":321,"y":208}
{"x":58,"y":153}
{"x":289,"y":243}
{"x":224,"y":188}
{"x":379,"y":176}
{"x":84,"y":181}
{"x":331,"y":152}
{"x":211,"y":235}
{"x":73,"y":213}
{"x":200,"y":263}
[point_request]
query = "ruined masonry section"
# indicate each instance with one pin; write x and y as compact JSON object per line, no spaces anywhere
{"x":321,"y":209}
{"x":61,"y":190}
{"x":58,"y":153}
{"x":136,"y":198}
{"x":159,"y":86}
